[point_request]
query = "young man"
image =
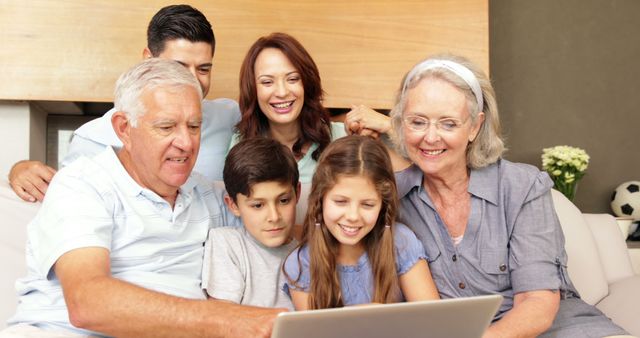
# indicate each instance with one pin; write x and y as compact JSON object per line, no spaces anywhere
{"x":180,"y":33}
{"x":126,"y":258}
{"x":242,"y":264}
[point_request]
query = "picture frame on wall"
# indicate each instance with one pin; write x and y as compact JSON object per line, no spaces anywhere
{"x":59,"y":133}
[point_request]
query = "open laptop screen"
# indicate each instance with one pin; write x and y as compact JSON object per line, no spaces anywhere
{"x":458,"y":317}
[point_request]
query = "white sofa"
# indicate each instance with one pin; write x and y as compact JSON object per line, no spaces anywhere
{"x":599,"y":262}
{"x":15,"y":215}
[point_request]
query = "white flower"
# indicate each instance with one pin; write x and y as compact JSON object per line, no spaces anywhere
{"x":564,"y":158}
{"x":565,"y":165}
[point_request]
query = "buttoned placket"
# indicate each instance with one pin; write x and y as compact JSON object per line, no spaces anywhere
{"x":464,"y":248}
{"x":169,"y":214}
{"x":448,"y":250}
{"x":452,"y":253}
{"x":182,"y":203}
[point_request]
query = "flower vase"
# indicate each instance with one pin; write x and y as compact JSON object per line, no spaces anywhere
{"x":568,"y":189}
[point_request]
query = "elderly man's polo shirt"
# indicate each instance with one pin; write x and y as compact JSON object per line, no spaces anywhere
{"x":95,"y":203}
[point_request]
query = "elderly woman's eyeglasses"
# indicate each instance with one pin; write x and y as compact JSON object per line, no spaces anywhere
{"x":422,"y":124}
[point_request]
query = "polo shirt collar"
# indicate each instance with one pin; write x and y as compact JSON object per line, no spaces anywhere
{"x":189,"y":186}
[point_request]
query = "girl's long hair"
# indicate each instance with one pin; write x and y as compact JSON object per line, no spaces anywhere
{"x":351,"y":156}
{"x":314,"y":119}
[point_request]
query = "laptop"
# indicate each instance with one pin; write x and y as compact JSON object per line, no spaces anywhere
{"x":447,"y":318}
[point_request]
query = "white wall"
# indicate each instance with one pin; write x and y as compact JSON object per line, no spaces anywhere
{"x":22,"y":134}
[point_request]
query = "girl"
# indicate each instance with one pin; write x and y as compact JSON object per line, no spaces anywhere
{"x":352,"y":251}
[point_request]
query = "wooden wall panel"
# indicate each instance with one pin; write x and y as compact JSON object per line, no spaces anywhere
{"x":74,"y":50}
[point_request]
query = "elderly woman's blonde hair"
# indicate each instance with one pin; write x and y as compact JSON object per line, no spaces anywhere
{"x":488,"y":145}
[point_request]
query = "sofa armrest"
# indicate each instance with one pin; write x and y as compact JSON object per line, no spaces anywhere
{"x":621,"y":305}
{"x":585,"y":267}
{"x":612,"y":249}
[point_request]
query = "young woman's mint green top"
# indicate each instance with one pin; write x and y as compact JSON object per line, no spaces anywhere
{"x":306,"y":165}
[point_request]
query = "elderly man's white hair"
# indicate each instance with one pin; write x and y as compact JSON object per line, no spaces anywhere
{"x":148,"y":75}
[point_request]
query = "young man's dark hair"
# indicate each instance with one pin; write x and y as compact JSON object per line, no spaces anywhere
{"x":256,"y":160}
{"x":178,"y":22}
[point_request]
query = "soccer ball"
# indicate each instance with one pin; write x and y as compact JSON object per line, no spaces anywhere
{"x":625,"y":200}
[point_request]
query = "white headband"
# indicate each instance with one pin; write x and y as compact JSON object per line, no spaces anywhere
{"x":463,"y":72}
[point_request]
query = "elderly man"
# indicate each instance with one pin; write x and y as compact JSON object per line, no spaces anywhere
{"x":117,"y":246}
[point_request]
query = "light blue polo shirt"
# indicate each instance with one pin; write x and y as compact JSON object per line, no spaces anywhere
{"x":94,"y":202}
{"x":219,"y":117}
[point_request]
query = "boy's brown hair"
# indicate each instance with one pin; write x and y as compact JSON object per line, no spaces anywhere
{"x":256,"y":160}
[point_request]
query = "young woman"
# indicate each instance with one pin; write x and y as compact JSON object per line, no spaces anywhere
{"x":281,"y":97}
{"x":352,"y":251}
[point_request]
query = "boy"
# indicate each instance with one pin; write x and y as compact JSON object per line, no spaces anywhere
{"x":242,"y":265}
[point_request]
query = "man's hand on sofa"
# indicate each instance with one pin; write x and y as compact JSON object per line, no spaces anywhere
{"x":30,"y":179}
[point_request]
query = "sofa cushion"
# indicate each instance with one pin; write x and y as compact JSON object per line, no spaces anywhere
{"x":622,"y":304}
{"x":584,"y":265}
{"x":16,"y":214}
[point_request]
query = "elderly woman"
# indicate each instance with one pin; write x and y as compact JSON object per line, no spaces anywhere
{"x":488,"y":225}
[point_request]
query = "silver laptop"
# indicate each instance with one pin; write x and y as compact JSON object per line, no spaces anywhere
{"x":447,"y":318}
